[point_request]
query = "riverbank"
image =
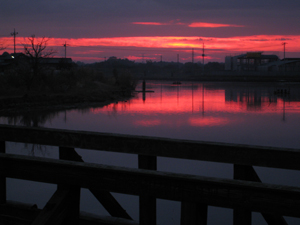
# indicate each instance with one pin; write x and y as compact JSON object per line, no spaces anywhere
{"x":98,"y":96}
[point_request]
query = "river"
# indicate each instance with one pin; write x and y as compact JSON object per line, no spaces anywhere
{"x":265,"y":114}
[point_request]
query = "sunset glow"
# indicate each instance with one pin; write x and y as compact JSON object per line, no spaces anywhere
{"x":147,"y":30}
{"x":216,"y":48}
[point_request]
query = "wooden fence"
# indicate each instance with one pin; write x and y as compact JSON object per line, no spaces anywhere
{"x":244,"y":193}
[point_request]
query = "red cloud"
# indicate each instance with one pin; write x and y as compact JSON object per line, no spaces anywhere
{"x":215,"y":47}
{"x":213,"y":25}
{"x":149,"y":23}
{"x":172,"y":22}
{"x":237,"y":43}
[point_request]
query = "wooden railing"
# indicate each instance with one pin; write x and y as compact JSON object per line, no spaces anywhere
{"x":245,"y":193}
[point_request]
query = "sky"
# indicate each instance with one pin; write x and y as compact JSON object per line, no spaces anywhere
{"x":142,"y":30}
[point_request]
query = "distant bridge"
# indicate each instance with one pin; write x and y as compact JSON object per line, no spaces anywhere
{"x":244,"y":194}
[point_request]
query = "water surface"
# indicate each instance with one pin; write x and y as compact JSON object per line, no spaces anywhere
{"x":242,"y":113}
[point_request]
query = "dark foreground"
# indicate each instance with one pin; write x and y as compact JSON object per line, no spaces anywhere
{"x":244,"y":194}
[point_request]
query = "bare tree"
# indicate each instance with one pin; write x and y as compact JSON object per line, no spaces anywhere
{"x":2,"y":46}
{"x":36,"y":50}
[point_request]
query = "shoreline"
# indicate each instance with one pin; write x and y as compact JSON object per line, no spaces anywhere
{"x":47,"y":103}
{"x":43,"y":102}
{"x":223,"y":78}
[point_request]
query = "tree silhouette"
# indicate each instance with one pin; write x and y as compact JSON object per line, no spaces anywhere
{"x":36,"y":50}
{"x":2,"y":47}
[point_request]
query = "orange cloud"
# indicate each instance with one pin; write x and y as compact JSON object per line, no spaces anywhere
{"x":200,"y":57}
{"x":80,"y":58}
{"x":149,"y":23}
{"x":133,"y":58}
{"x":212,"y":25}
{"x":87,"y":52}
{"x":172,"y":22}
{"x":215,"y":47}
{"x":237,"y":43}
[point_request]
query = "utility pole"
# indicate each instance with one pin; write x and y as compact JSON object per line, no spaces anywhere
{"x":192,"y":55}
{"x":284,"y":43}
{"x":203,"y":55}
{"x":65,"y":45}
{"x":14,"y":34}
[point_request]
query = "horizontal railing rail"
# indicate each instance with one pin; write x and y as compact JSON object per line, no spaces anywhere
{"x":227,"y":193}
{"x":245,"y":193}
{"x":284,"y":158}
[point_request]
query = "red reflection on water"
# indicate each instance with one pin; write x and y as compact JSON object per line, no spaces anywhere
{"x":147,"y":123}
{"x":197,"y":105}
{"x":208,"y":121}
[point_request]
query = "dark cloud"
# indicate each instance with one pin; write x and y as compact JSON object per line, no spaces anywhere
{"x":94,"y":18}
{"x":230,"y":4}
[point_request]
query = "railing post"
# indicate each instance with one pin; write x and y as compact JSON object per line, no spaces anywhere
{"x":193,"y":213}
{"x":244,"y":216}
{"x":74,"y":206}
{"x":241,"y":216}
{"x":2,"y":178}
{"x":147,"y":203}
{"x":104,"y":197}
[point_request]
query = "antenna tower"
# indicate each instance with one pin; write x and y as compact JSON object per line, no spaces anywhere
{"x":14,"y":34}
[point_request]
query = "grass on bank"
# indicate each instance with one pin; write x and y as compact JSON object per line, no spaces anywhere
{"x":62,"y":87}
